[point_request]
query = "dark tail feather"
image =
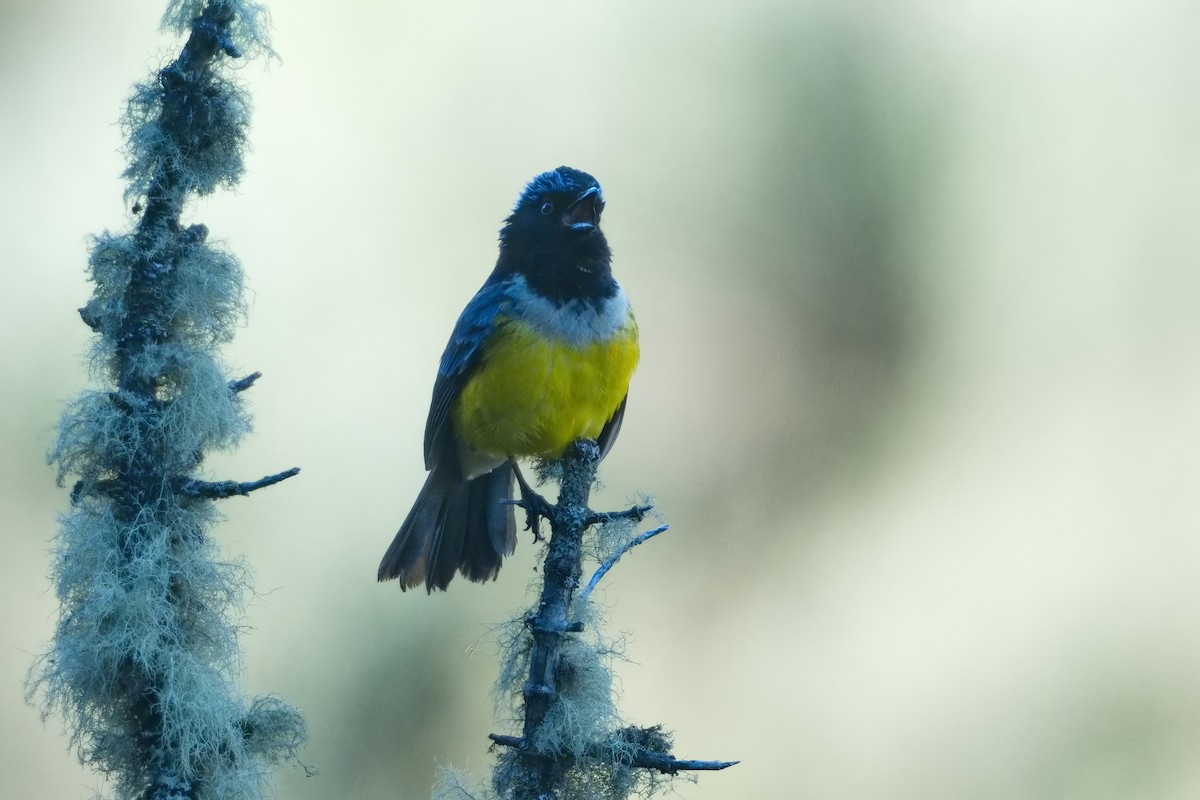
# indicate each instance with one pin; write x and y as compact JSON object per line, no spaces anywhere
{"x":455,"y":525}
{"x":491,"y":522}
{"x":407,"y":557}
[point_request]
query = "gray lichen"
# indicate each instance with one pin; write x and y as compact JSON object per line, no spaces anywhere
{"x":143,"y":664}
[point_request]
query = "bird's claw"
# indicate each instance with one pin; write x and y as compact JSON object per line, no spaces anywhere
{"x":536,"y":507}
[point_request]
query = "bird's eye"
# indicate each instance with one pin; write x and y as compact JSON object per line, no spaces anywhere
{"x":547,"y":209}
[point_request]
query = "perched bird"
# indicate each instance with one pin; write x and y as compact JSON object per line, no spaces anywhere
{"x":541,"y":356}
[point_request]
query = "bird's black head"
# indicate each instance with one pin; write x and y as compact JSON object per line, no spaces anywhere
{"x":553,"y":237}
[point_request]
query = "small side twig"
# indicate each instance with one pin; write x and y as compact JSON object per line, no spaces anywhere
{"x":669,"y":765}
{"x":242,"y":384}
{"x":635,"y":513}
{"x":218,"y":490}
{"x":645,"y":759}
{"x":615,"y":557}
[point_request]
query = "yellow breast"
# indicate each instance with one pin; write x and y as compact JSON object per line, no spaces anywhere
{"x":533,"y":395}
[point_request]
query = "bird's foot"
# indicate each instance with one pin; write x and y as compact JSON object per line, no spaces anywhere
{"x":536,"y":507}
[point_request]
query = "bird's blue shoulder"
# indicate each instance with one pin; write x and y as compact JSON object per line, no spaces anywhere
{"x":462,"y":352}
{"x":474,"y":325}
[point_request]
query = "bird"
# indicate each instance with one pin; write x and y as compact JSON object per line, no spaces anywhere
{"x":542,"y":355}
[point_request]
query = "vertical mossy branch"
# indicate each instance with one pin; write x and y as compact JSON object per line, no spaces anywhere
{"x":573,"y":745}
{"x":144,"y":659}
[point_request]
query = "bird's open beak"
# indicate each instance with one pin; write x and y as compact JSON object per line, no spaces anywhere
{"x":584,"y":213}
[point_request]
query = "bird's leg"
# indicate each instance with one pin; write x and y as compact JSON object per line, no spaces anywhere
{"x":534,"y":504}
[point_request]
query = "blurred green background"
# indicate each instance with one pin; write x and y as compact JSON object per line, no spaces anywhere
{"x":918,"y":292}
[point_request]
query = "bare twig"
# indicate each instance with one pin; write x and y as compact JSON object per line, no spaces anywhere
{"x":660,"y":762}
{"x":242,"y":384}
{"x":635,"y":513}
{"x":218,"y":490}
{"x":615,"y":557}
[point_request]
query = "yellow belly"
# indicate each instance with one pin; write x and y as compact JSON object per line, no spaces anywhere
{"x":532,"y":396}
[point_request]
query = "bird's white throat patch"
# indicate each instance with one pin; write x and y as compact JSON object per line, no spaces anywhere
{"x":578,"y":322}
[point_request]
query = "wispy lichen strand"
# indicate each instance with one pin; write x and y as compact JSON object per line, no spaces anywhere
{"x":144,"y":659}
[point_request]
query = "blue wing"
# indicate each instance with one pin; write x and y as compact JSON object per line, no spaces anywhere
{"x":460,"y":358}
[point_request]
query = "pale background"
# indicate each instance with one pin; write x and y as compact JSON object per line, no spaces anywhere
{"x":918,"y":291}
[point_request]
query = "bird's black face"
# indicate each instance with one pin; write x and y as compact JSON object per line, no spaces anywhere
{"x":553,"y":237}
{"x":577,"y":213}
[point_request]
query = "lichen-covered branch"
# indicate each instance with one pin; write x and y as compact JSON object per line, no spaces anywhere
{"x":573,"y":745}
{"x":143,"y":663}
